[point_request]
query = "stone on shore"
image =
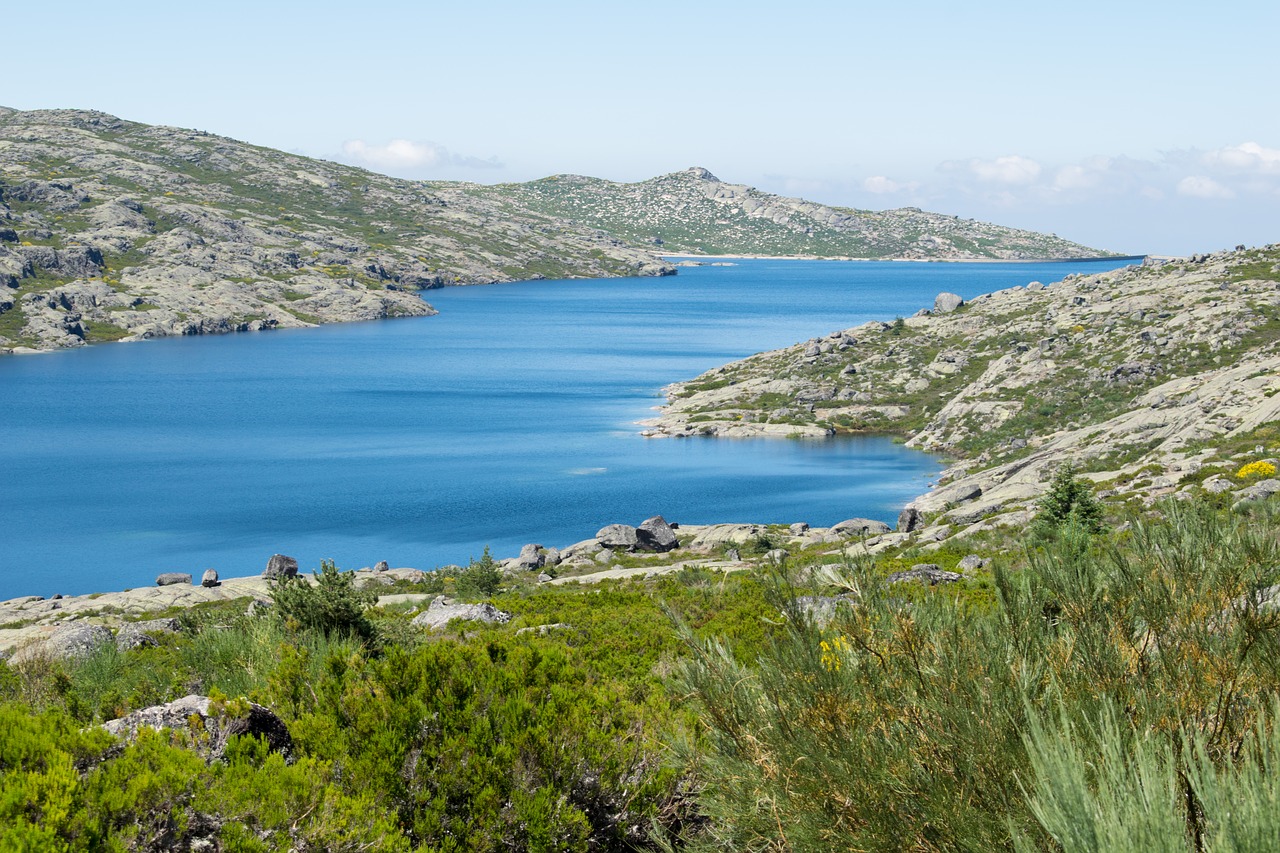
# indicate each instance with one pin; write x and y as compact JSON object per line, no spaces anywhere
{"x":280,"y":566}
{"x":172,"y":578}
{"x":910,"y":519}
{"x":209,"y":578}
{"x":654,"y":534}
{"x":618,"y":537}
{"x":945,"y":303}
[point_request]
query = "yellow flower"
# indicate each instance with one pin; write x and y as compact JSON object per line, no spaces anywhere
{"x":1257,"y":469}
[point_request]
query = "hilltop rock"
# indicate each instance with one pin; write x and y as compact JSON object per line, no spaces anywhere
{"x":618,"y":537}
{"x":945,"y":303}
{"x":654,"y":534}
{"x":280,"y":566}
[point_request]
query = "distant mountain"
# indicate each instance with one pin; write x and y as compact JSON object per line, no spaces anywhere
{"x":694,"y":211}
{"x":111,"y":229}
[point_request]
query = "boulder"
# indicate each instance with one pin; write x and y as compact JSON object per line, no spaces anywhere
{"x":860,"y":527}
{"x":69,"y":641}
{"x":530,"y":558}
{"x":925,"y":573}
{"x":654,"y":534}
{"x":173,"y":578}
{"x":910,"y":519}
{"x":821,"y":609}
{"x":135,"y":635}
{"x":545,"y":578}
{"x":259,"y":607}
{"x":381,"y":566}
{"x":442,"y":611}
{"x":209,"y":578}
{"x":945,"y":303}
{"x":618,"y":537}
{"x":207,"y":726}
{"x":972,"y":562}
{"x":280,"y":566}
{"x":800,"y":528}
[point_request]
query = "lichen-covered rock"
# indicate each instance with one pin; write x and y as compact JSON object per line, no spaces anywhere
{"x":442,"y":611}
{"x":207,"y":726}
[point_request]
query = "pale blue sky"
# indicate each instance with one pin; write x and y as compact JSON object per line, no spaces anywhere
{"x":1137,"y":127}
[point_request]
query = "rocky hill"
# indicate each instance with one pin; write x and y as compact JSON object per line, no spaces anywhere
{"x":1151,"y":379}
{"x":694,"y":211}
{"x":111,"y":229}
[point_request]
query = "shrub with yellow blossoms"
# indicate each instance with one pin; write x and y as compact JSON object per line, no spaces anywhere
{"x":1257,"y":469}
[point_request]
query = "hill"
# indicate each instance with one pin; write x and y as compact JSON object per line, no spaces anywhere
{"x":694,"y":211}
{"x":1151,"y":379}
{"x":112,"y":229}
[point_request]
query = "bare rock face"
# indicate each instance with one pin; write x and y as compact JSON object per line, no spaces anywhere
{"x":654,"y":534}
{"x":208,"y":726}
{"x":280,"y":566}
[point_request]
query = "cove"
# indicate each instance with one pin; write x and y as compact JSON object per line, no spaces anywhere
{"x":509,"y":418}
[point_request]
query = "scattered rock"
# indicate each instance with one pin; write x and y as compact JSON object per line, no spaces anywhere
{"x":280,"y":566}
{"x":821,"y":609}
{"x":654,"y":534}
{"x":972,"y":562}
{"x":799,"y":528}
{"x":259,"y":607}
{"x":209,"y":578}
{"x":545,"y":578}
{"x":551,"y":557}
{"x":926,"y":573}
{"x":173,"y":578}
{"x":543,"y":630}
{"x":381,"y":566}
{"x":218,"y":722}
{"x":441,"y":611}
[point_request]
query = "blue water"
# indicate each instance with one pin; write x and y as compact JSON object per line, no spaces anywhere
{"x":509,"y":418}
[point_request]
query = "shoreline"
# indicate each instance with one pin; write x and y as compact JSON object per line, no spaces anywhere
{"x":748,"y":257}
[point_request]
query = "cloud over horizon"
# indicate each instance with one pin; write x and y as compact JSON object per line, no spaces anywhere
{"x":406,"y":157}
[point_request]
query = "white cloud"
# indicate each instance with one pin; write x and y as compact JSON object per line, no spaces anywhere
{"x":1200,"y":186}
{"x":1248,"y":157}
{"x":879,"y":185}
{"x":1011,"y":169}
{"x":403,"y":155}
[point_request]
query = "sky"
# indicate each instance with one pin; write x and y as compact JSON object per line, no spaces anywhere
{"x":1130,"y":126}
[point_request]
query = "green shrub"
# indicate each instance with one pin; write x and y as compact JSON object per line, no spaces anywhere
{"x":1069,"y":500}
{"x":481,"y":579}
{"x":332,"y":605}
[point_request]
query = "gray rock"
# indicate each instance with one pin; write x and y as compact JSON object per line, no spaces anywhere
{"x":442,"y":611}
{"x":218,"y":723}
{"x":800,"y":528}
{"x":910,"y":520}
{"x":173,"y":578}
{"x":860,"y":527}
{"x":135,"y":635}
{"x":530,"y":558}
{"x":543,"y":630}
{"x":209,"y":578}
{"x":259,"y":607}
{"x":945,"y":303}
{"x":618,"y":537}
{"x":381,"y":566}
{"x":280,"y":566}
{"x":551,"y":557}
{"x":1217,"y":484}
{"x":925,"y":573}
{"x":654,"y":534}
{"x":821,"y":609}
{"x":604,"y":556}
{"x":776,"y":556}
{"x":67,"y":642}
{"x":545,"y":578}
{"x":972,"y":562}
{"x":1035,"y":285}
{"x":732,"y":554}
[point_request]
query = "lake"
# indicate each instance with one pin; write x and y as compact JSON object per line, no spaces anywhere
{"x":507,"y":419}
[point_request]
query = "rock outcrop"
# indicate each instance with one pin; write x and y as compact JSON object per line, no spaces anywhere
{"x":442,"y":611}
{"x":207,"y":726}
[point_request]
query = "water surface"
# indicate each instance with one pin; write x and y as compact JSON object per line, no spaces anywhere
{"x":509,"y":418}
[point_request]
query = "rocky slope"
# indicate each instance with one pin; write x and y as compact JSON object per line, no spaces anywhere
{"x":1151,"y":379}
{"x":111,"y":229}
{"x":694,"y":211}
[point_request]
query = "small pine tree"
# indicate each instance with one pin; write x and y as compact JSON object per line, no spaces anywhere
{"x":1069,"y":499}
{"x":332,"y":606}
{"x":481,"y":579}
